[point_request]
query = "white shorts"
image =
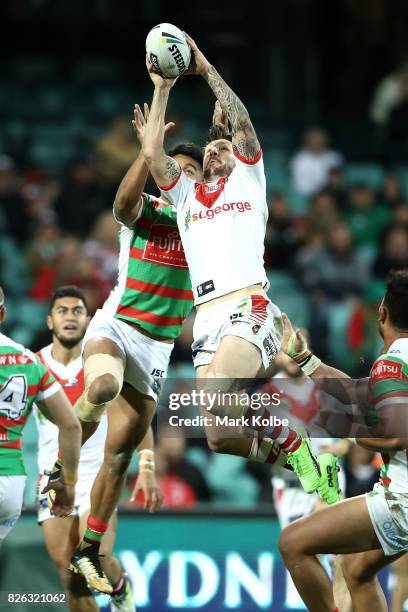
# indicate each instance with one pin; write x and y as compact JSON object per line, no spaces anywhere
{"x":82,"y":498}
{"x":147,"y":360}
{"x":389,"y":516}
{"x":11,"y":502}
{"x":253,"y":318}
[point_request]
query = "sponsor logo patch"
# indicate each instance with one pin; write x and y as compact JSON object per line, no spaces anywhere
{"x":386,"y":368}
{"x":164,"y":247}
{"x":210,"y":213}
{"x":205,"y":288}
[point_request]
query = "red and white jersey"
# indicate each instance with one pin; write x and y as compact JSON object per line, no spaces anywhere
{"x":222,"y":227}
{"x":71,"y":378}
{"x":388,"y":386}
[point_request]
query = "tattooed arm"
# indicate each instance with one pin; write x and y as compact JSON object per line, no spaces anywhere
{"x":163,"y":168}
{"x":244,"y":138}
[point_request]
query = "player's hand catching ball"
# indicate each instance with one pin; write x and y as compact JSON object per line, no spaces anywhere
{"x":153,"y":497}
{"x":140,"y":119}
{"x":199,"y":64}
{"x":61,"y":497}
{"x":158,"y":81}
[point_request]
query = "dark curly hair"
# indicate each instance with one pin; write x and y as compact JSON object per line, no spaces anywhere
{"x":396,"y":298}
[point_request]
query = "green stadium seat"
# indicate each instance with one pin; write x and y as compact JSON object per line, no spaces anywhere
{"x":372,"y":174}
{"x":286,"y":293}
{"x":230,"y":483}
{"x":22,"y":334}
{"x":13,"y":268}
{"x":32,"y":314}
{"x":198,"y":457}
{"x":339,"y":317}
{"x":402,"y":171}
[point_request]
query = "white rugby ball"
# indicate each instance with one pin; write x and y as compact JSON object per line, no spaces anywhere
{"x":167,"y":49}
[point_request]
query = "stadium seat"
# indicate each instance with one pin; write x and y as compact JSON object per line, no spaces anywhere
{"x":339,"y":317}
{"x":230,"y":483}
{"x":286,"y":293}
{"x":372,"y":174}
{"x":13,"y":267}
{"x":402,"y":171}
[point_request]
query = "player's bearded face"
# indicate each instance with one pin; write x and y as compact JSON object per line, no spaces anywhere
{"x":68,"y":321}
{"x":218,"y":159}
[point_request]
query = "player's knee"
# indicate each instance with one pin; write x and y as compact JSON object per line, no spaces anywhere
{"x":356,"y":571}
{"x":103,"y":389}
{"x":289,"y":545}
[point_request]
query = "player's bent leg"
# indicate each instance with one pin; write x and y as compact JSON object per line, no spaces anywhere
{"x":128,"y":420}
{"x":360,"y":571}
{"x":104,"y":364}
{"x":61,"y":537}
{"x":344,"y":528}
{"x":235,"y":364}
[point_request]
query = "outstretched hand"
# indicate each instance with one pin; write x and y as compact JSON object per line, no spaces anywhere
{"x":293,"y":343}
{"x":140,"y":120}
{"x":158,"y":80}
{"x":199,"y":64}
{"x":153,"y":497}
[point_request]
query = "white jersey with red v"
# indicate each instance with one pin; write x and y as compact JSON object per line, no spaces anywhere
{"x":222,"y":227}
{"x":71,"y":378}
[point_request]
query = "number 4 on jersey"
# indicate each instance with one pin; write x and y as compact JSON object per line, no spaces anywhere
{"x":13,"y":396}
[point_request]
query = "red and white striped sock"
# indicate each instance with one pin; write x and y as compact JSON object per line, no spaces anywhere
{"x":286,"y":438}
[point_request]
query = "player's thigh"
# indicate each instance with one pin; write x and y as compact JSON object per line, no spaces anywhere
{"x":102,"y":345}
{"x":61,"y":536}
{"x":343,"y":528}
{"x":235,"y":358}
{"x":129,"y":417}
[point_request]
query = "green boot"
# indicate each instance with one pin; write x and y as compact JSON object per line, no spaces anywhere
{"x":305,"y":466}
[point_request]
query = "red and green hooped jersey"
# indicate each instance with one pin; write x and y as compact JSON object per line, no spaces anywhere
{"x":23,"y":380}
{"x":153,"y":288}
{"x":388,"y":385}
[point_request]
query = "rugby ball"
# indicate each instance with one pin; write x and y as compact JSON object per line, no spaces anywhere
{"x":167,"y":49}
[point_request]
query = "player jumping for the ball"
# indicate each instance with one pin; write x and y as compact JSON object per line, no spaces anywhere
{"x":222,"y":224}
